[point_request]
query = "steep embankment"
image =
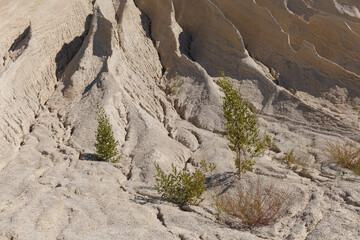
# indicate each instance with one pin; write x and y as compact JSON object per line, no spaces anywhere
{"x":153,"y":65}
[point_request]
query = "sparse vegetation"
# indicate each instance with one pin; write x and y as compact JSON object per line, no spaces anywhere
{"x":106,"y":145}
{"x":181,"y":187}
{"x":346,"y":155}
{"x":267,"y":140}
{"x":341,"y":175}
{"x":257,"y":205}
{"x":240,"y":127}
{"x":299,"y":159}
{"x":289,"y":157}
{"x":217,"y":203}
{"x":270,"y":144}
{"x":174,"y":87}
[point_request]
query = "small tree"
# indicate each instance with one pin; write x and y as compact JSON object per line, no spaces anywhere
{"x":240,"y":127}
{"x":106,"y":145}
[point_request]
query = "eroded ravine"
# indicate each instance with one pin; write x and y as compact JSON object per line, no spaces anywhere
{"x":153,"y":65}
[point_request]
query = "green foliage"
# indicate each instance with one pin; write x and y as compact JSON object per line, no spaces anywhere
{"x":270,"y":144}
{"x":217,"y":203}
{"x":240,"y":127}
{"x":211,"y":167}
{"x":174,"y":87}
{"x":289,"y":157}
{"x":267,"y":140}
{"x":299,"y":160}
{"x":182,"y":187}
{"x":106,"y":145}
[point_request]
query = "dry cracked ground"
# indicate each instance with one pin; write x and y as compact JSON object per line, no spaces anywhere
{"x":153,"y":65}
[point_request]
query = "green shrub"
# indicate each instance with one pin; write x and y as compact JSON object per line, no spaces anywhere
{"x":240,"y":127}
{"x":289,"y":157}
{"x":270,"y":144}
{"x":217,"y":202}
{"x":181,"y":187}
{"x":173,"y":88}
{"x":267,"y":140}
{"x":106,"y":145}
{"x":300,"y":160}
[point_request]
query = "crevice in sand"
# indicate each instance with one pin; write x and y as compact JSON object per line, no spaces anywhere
{"x":185,"y":40}
{"x":160,"y":217}
{"x":146,"y":25}
{"x":20,"y":44}
{"x":69,"y":50}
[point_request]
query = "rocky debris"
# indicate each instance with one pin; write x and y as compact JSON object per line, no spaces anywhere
{"x":153,"y":66}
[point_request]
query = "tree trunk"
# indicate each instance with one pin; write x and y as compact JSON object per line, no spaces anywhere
{"x":239,"y":159}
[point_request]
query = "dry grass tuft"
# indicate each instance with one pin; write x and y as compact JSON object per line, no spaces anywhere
{"x":346,"y":155}
{"x":258,"y":205}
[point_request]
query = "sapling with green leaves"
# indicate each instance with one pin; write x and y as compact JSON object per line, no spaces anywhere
{"x":182,"y":187}
{"x":106,"y":145}
{"x":240,"y":127}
